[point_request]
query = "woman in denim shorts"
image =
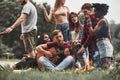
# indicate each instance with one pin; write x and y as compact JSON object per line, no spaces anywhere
{"x":102,"y":33}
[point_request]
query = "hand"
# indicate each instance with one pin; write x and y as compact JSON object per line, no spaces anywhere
{"x":23,"y":59}
{"x":42,"y":7}
{"x":48,"y":54}
{"x":75,"y":42}
{"x":101,"y":22}
{"x":89,"y":22}
{"x":22,"y":37}
{"x":8,"y":30}
{"x":81,"y":50}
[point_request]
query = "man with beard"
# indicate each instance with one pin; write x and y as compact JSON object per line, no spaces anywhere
{"x":65,"y":59}
{"x":28,"y":20}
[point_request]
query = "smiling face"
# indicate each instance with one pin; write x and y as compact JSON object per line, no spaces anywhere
{"x":87,"y":12}
{"x":46,"y":38}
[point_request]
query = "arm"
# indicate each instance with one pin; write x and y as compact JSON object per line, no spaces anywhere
{"x":41,"y":48}
{"x":47,"y":17}
{"x":97,"y":27}
{"x":109,"y":35}
{"x":68,"y":11}
{"x":17,"y":23}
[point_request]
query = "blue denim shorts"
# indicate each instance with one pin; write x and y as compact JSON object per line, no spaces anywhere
{"x":105,"y":48}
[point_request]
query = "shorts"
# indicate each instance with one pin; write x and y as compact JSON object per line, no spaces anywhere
{"x":30,"y":40}
{"x":105,"y":48}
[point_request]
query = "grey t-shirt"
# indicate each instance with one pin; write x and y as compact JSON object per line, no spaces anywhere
{"x":30,"y":23}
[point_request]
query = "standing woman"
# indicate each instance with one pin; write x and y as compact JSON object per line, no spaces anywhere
{"x":60,"y":14}
{"x":75,"y":27}
{"x":102,"y":34}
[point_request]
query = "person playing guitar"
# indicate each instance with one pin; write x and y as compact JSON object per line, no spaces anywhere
{"x":64,"y":60}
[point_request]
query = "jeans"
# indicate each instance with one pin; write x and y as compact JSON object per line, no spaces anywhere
{"x":66,"y":63}
{"x":82,"y":59}
{"x":96,"y":59}
{"x":65,"y":30}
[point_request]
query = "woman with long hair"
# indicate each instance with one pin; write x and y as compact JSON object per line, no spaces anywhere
{"x":60,"y":14}
{"x":75,"y":27}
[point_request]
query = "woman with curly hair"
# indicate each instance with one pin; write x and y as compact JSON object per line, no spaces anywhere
{"x":102,"y":34}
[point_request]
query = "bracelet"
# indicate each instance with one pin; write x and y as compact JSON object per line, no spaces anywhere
{"x":11,"y":27}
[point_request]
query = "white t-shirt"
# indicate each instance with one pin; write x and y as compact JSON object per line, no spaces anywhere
{"x":31,"y":20}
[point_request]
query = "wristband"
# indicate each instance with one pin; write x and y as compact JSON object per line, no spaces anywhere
{"x":11,"y":27}
{"x":89,"y":22}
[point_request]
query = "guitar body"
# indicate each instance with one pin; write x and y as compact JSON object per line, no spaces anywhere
{"x":52,"y":59}
{"x":55,"y":54}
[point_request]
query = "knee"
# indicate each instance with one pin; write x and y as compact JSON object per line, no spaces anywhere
{"x":70,"y":58}
{"x":42,"y":59}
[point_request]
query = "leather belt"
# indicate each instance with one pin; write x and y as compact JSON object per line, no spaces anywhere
{"x":103,"y":38}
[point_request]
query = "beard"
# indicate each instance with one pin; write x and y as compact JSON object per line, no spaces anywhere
{"x":24,"y":2}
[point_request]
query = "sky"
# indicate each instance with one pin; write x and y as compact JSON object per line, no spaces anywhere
{"x":75,"y":5}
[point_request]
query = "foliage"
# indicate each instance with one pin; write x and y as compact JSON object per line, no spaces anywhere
{"x":9,"y":11}
{"x":43,"y":25}
{"x":115,"y":31}
{"x":4,"y":49}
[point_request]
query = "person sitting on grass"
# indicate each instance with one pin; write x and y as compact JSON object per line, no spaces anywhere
{"x":28,"y":62}
{"x":64,"y":59}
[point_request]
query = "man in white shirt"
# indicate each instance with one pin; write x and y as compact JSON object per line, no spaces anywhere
{"x":28,"y":20}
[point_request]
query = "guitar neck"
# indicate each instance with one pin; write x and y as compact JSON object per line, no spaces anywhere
{"x":74,"y":47}
{"x":58,"y":53}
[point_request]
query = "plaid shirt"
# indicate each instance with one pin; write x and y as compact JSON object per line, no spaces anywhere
{"x":87,"y":39}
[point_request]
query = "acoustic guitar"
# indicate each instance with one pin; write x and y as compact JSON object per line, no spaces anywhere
{"x":52,"y":59}
{"x":55,"y":54}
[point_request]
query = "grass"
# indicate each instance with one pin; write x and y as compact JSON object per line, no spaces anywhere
{"x":35,"y":74}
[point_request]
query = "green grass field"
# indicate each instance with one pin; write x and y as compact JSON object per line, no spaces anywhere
{"x":35,"y":74}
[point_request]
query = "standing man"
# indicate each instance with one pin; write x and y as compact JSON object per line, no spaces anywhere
{"x":28,"y":20}
{"x":87,"y":39}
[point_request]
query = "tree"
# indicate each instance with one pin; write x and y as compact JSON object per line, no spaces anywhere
{"x":43,"y":25}
{"x":115,"y":32}
{"x":9,"y":11}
